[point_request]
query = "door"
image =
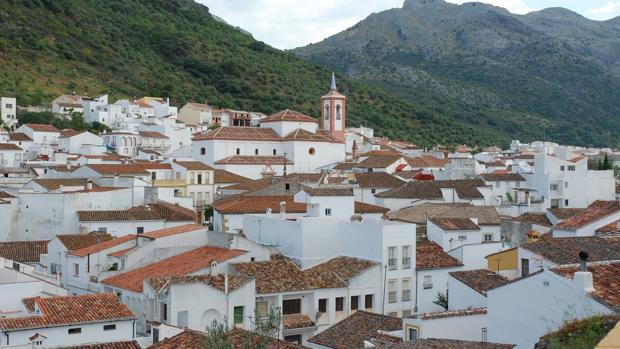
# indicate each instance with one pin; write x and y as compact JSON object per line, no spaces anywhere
{"x":525,"y":266}
{"x":291,"y":306}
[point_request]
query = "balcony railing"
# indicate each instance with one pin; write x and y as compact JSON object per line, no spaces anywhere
{"x":392,"y":263}
{"x":406,"y":263}
{"x":406,"y":295}
{"x":169,"y":182}
{"x":392,"y":296}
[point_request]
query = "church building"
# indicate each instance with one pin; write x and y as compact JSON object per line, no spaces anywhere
{"x":287,"y":141}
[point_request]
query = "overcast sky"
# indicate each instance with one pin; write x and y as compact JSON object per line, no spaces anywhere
{"x":291,"y":23}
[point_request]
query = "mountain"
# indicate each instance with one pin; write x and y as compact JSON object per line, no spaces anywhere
{"x":550,"y":74}
{"x":177,"y":49}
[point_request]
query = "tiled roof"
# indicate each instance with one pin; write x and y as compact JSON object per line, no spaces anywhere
{"x":257,"y":204}
{"x":9,"y":146}
{"x":379,"y":152}
{"x":611,"y":229}
{"x":355,"y":329}
{"x":55,"y":183}
{"x":217,"y":281}
{"x":566,"y":250}
{"x":238,"y":337}
{"x":69,"y":132}
{"x":282,"y":275}
{"x":108,"y":345}
{"x":254,"y":160}
{"x":19,"y":137}
{"x":426,"y":161}
{"x":343,"y":266}
{"x":29,"y":303}
{"x":451,"y":313}
{"x":42,"y":128}
{"x":153,"y":134}
{"x":487,"y":215}
{"x":594,"y":212}
{"x":465,"y":188}
{"x":154,"y":212}
{"x":565,"y":213}
{"x":429,"y":255}
{"x":200,"y":106}
{"x":414,"y":190}
{"x":71,"y":310}
{"x":377,"y":180}
{"x":179,"y":265}
{"x":305,"y":177}
{"x":170,"y":212}
{"x":239,"y":133}
{"x":362,"y":207}
{"x":223,"y":176}
{"x":120,"y":169}
{"x":454,"y":223}
{"x":328,"y":191}
{"x":194,"y":165}
{"x":293,"y":321}
{"x":252,"y":185}
{"x":336,"y":180}
{"x":77,"y":241}
{"x":344,"y":166}
{"x":102,"y":246}
{"x":180,"y":229}
{"x":288,"y":115}
{"x":5,"y":195}
{"x":302,"y":135}
{"x":121,"y":252}
{"x":617,"y":188}
{"x":23,"y":251}
{"x":494,"y":177}
{"x":538,"y":218}
{"x":606,"y":279}
{"x":381,"y":161}
{"x":480,"y":280}
{"x":435,"y":343}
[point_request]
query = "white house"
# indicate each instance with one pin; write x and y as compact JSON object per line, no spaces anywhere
{"x":76,"y":142}
{"x":468,"y":288}
{"x":8,"y":111}
{"x":11,"y":155}
{"x":597,"y":215}
{"x":464,"y":324}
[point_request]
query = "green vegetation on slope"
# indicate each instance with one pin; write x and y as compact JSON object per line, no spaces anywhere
{"x":174,"y":48}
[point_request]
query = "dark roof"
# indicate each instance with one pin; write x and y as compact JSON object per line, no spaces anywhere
{"x":565,"y":250}
{"x":480,"y":280}
{"x":328,"y":191}
{"x":377,"y":180}
{"x":354,"y":330}
{"x":487,"y":215}
{"x":564,"y":213}
{"x":414,"y":190}
{"x":23,"y":251}
{"x":216,"y":281}
{"x":465,"y":188}
{"x":537,"y":218}
{"x":19,"y":137}
{"x":429,"y":255}
{"x":454,"y":223}
{"x":594,"y":212}
{"x":494,"y":177}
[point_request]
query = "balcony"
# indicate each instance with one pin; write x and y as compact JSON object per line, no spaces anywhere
{"x":392,"y":296}
{"x":392,"y":264}
{"x":406,"y":295}
{"x":406,"y":263}
{"x":168,"y":183}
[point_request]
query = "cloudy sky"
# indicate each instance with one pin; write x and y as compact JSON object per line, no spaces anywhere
{"x":291,"y":23}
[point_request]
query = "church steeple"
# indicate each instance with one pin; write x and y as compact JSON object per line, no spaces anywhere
{"x":333,"y":111}
{"x":333,"y":85}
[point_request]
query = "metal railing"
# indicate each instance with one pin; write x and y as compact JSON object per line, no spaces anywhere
{"x":392,"y":263}
{"x":406,"y":295}
{"x":406,"y":263}
{"x":392,"y":296}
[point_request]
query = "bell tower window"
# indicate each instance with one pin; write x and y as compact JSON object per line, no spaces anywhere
{"x":326,"y":112}
{"x":338,"y":112}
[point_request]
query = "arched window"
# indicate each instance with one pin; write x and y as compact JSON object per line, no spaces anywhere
{"x":124,"y":141}
{"x":203,"y":151}
{"x":326,"y":112}
{"x":338,"y":112}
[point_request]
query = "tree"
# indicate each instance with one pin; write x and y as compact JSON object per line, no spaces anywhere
{"x":606,"y":164}
{"x":217,"y":337}
{"x":441,"y":300}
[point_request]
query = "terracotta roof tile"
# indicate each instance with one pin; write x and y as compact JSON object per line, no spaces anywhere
{"x":194,"y":339}
{"x":120,"y":169}
{"x":23,"y":251}
{"x":69,"y":132}
{"x":381,"y":161}
{"x":154,"y":212}
{"x":451,"y":313}
{"x":594,"y":212}
{"x":435,"y":343}
{"x":414,"y":190}
{"x":181,"y":229}
{"x":345,"y":166}
{"x":239,"y":133}
{"x":179,"y":265}
{"x":480,"y":280}
{"x":537,"y":218}
{"x":254,"y":160}
{"x":108,"y":345}
{"x":454,"y":223}
{"x":355,"y":329}
{"x":328,"y":191}
{"x":153,"y":134}
{"x":29,"y":303}
{"x":306,"y":177}
{"x":77,"y":241}
{"x":606,"y":279}
{"x":304,"y":135}
{"x":343,"y":266}
{"x":69,"y":310}
{"x":487,"y":215}
{"x":257,"y":204}
{"x":293,"y":321}
{"x":42,"y":128}
{"x":426,"y":161}
{"x":288,"y":115}
{"x":362,"y":207}
{"x":56,"y":183}
{"x":495,"y":177}
{"x":377,"y":180}
{"x":199,"y":106}
{"x":429,"y":255}
{"x":223,"y":176}
{"x":565,"y":213}
{"x":19,"y":137}
{"x":194,"y":165}
{"x":102,"y":246}
{"x":9,"y":146}
{"x":566,"y":250}
{"x":217,"y":281}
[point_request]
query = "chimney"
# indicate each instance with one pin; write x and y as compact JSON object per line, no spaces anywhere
{"x":68,"y":166}
{"x":115,"y":180}
{"x":226,"y":283}
{"x":474,"y":219}
{"x":582,"y":280}
{"x":283,"y":209}
{"x":89,"y":185}
{"x":213,"y":267}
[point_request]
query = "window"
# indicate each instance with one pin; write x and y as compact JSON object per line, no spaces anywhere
{"x":517,"y":184}
{"x":338,"y":112}
{"x":339,"y":303}
{"x":199,"y":179}
{"x":428,"y":282}
{"x":75,"y":330}
{"x":406,"y":257}
{"x":326,"y":112}
{"x":406,"y":313}
{"x":525,"y":266}
{"x":392,"y":292}
{"x":140,"y":230}
{"x":9,"y":106}
{"x":355,"y":302}
{"x":323,"y":305}
{"x":238,"y":311}
{"x":565,"y":184}
{"x":311,"y":151}
{"x":293,"y":339}
{"x":256,"y":151}
{"x":392,"y":258}
{"x":412,"y":333}
{"x":274,"y":152}
{"x":262,"y":308}
{"x":291,"y":306}
{"x":562,"y":168}
{"x":566,"y":202}
{"x":368,"y":301}
{"x":462,"y":237}
{"x":182,"y":319}
{"x":373,"y":191}
{"x":153,"y":175}
{"x":109,"y":327}
{"x":102,"y":229}
{"x":328,"y":211}
{"x":203,"y":151}
{"x":164,"y":311}
{"x":76,"y":269}
{"x":488,"y":237}
{"x":571,"y":167}
{"x":497,"y":184}
{"x":287,"y":186}
{"x":554,"y":187}
{"x":406,"y":290}
{"x":238,"y":151}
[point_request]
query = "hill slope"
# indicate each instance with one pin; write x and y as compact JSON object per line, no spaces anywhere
{"x":176,"y":48}
{"x":551,"y":73}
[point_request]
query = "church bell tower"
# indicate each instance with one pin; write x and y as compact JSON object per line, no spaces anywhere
{"x":334,"y":111}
